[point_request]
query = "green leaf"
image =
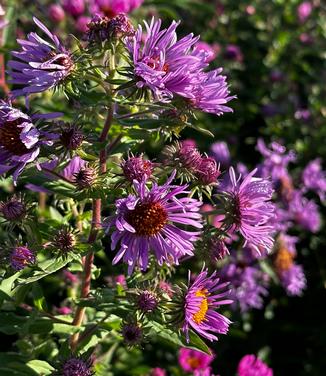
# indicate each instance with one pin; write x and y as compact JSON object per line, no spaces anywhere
{"x":11,"y":323}
{"x":40,"y":366}
{"x":195,"y":342}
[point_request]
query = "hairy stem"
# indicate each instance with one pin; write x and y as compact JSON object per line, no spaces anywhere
{"x":96,"y":221}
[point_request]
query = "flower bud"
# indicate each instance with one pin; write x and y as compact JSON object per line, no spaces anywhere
{"x":21,"y":257}
{"x":14,"y":209}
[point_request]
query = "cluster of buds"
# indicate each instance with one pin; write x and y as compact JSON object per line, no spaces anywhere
{"x":190,"y":163}
{"x":136,"y":168}
{"x":102,"y":28}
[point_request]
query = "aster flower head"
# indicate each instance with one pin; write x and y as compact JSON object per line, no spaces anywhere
{"x":21,"y":257}
{"x":304,"y":10}
{"x":41,"y":64}
{"x":74,"y":7}
{"x":111,"y":8}
{"x":201,"y":300}
{"x":56,"y":13}
{"x":132,"y":333}
{"x":146,"y":221}
{"x":20,"y":140}
{"x":137,"y":168}
{"x":221,"y":153}
{"x":305,"y":212}
{"x":71,"y":136}
{"x":170,"y":68}
{"x":14,"y":209}
{"x":64,"y":242}
{"x":209,"y":50}
{"x":249,"y":365}
{"x":191,"y":360}
{"x":147,"y":301}
{"x":77,"y":366}
{"x":314,"y":178}
{"x":250,"y":209}
{"x":217,"y":248}
{"x":249,"y":285}
{"x":85,"y":178}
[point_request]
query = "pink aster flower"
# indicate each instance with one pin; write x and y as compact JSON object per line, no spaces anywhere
{"x":251,"y":366}
{"x":146,"y":221}
{"x":191,"y":360}
{"x":209,"y":50}
{"x":251,"y":210}
{"x":304,"y":10}
{"x":202,"y":299}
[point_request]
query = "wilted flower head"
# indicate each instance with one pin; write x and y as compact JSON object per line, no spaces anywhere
{"x":77,"y":367}
{"x":208,"y":171}
{"x":250,"y":210}
{"x":137,"y":168}
{"x":192,"y":360}
{"x":21,"y":257}
{"x":202,"y":298}
{"x":314,"y":178}
{"x":146,"y":301}
{"x":13,"y":209}
{"x":249,"y":365}
{"x":146,"y":222}
{"x":42,"y":65}
{"x":132,"y":333}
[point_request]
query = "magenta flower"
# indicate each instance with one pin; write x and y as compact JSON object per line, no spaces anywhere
{"x":210,"y":52}
{"x":221,"y":153}
{"x":208,"y":171}
{"x":146,"y":221}
{"x":304,"y":10}
{"x":157,"y":372}
{"x":314,"y":178}
{"x":251,"y":210}
{"x":111,"y":8}
{"x":251,"y":366}
{"x":20,"y":140}
{"x":74,"y":7}
{"x":137,"y":168}
{"x":43,"y":65}
{"x":191,"y":360}
{"x":56,"y":13}
{"x":202,"y":298}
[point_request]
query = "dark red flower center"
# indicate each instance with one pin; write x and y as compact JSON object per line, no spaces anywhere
{"x":10,"y":137}
{"x":148,"y":219}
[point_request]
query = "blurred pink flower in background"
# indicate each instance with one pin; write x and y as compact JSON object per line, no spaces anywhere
{"x":192,"y":360}
{"x":304,"y":10}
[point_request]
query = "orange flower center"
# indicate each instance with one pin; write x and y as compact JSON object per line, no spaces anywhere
{"x":148,"y":218}
{"x":193,"y":362}
{"x":10,"y":138}
{"x":200,"y":315}
{"x":283,"y":260}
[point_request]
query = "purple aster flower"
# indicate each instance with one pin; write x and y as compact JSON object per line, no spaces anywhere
{"x":146,"y":221}
{"x":276,"y":160}
{"x":233,"y":52}
{"x":249,"y":365}
{"x":250,"y":210}
{"x":137,"y":168}
{"x":210,"y":52}
{"x":77,"y":367}
{"x":291,"y":275}
{"x":305,"y":212}
{"x":221,"y":153}
{"x":212,"y":93}
{"x":42,"y":65}
{"x":21,"y":257}
{"x":170,"y":67}
{"x":302,"y":114}
{"x":208,"y":171}
{"x":304,"y":10}
{"x":191,"y":360}
{"x":314,"y":178}
{"x":202,"y":298}
{"x":20,"y":140}
{"x":249,"y":285}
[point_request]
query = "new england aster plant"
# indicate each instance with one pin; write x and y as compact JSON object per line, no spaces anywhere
{"x":106,"y":210}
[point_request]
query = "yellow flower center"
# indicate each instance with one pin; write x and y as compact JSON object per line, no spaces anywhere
{"x":200,"y":315}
